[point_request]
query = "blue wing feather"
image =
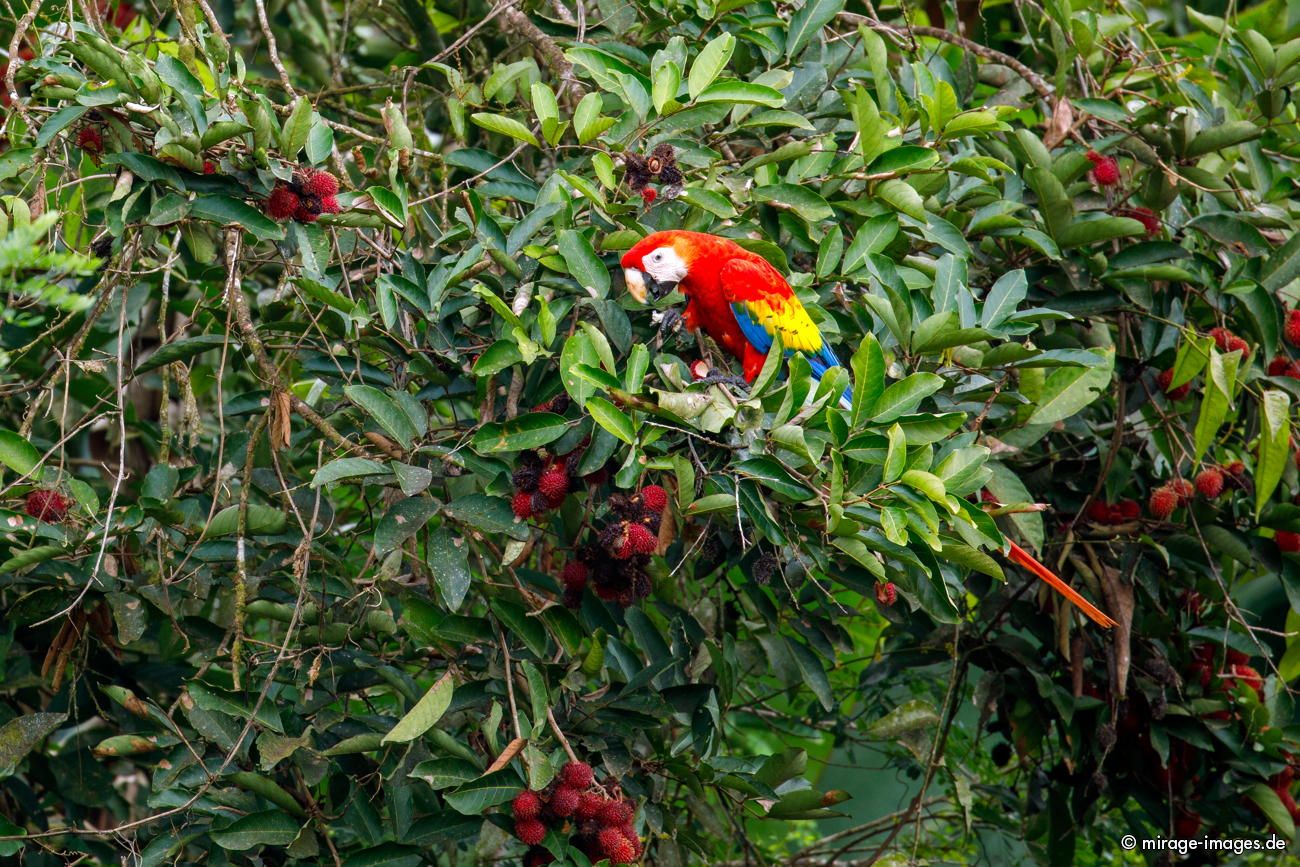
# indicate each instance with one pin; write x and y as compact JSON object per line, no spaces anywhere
{"x":756,"y":334}
{"x":761,"y":340}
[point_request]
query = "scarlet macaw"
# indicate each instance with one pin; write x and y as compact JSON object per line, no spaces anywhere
{"x":736,"y":296}
{"x":742,"y":302}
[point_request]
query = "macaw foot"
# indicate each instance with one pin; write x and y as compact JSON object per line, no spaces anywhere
{"x":670,"y":322}
{"x":717,"y":377}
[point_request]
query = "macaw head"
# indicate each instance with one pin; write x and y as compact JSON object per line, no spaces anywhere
{"x":657,"y":264}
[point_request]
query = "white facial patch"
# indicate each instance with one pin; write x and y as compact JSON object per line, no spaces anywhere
{"x":665,"y":265}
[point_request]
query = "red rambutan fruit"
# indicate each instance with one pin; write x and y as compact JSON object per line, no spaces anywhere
{"x":45,"y":505}
{"x":522,"y":504}
{"x":1162,"y":503}
{"x":1292,"y":327}
{"x":526,"y":805}
{"x":616,"y":813}
{"x":1105,"y":171}
{"x":579,"y":775}
{"x":554,"y":484}
{"x":574,"y":576}
{"x":90,"y":140}
{"x":654,"y":497}
{"x":530,"y":831}
{"x":1209,"y":482}
{"x":615,"y":846}
{"x":886,"y":593}
{"x":320,"y":184}
{"x":1163,"y":381}
{"x":1287,"y":541}
{"x":282,"y":203}
{"x":564,"y":800}
{"x":590,"y":805}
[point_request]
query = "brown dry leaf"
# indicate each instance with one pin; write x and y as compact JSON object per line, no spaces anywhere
{"x":1058,"y":128}
{"x":512,"y":749}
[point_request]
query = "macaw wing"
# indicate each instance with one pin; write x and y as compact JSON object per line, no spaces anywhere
{"x":765,"y":305}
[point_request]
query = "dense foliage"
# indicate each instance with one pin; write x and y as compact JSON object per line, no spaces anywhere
{"x":347,"y":497}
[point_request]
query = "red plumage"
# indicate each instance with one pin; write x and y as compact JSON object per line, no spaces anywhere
{"x":709,"y":304}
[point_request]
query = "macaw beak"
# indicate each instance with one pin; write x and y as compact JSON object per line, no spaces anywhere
{"x":641,"y":285}
{"x":635,"y":283}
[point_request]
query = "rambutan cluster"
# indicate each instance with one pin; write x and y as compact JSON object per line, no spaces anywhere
{"x":661,"y":165}
{"x":597,"y":817}
{"x":1168,"y":497}
{"x":90,"y":140}
{"x":1105,"y":170}
{"x":1292,"y":328}
{"x":1149,"y":219}
{"x":886,"y":593}
{"x":311,"y":193}
{"x":1163,"y":381}
{"x":1236,"y":671}
{"x":542,"y":483}
{"x":46,"y":505}
{"x":1113,"y":513}
{"x":1226,"y":341}
{"x":614,"y":565}
{"x":1281,"y":365}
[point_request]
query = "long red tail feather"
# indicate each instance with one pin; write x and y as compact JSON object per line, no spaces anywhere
{"x":1022,"y":557}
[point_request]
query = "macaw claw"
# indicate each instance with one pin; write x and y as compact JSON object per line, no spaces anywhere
{"x":717,"y":377}
{"x":670,"y":322}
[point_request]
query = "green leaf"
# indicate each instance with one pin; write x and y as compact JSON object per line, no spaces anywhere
{"x":296,"y":127}
{"x":232,"y":212}
{"x":426,"y":712}
{"x":711,"y":60}
{"x":17,"y":453}
{"x":529,"y":431}
{"x":868,"y":365}
{"x":403,"y":520}
{"x":895,"y":456}
{"x":908,"y":717}
{"x":873,"y":237}
{"x":612,"y":419}
{"x":802,"y":200}
{"x":1283,"y":266}
{"x":927,"y":483}
{"x":1095,"y":231}
{"x":1192,"y":356}
{"x":744,"y":92}
{"x":261,"y":521}
{"x":814,"y":673}
{"x":587,"y":119}
{"x":20,"y":735}
{"x":808,"y":21}
{"x":448,"y":560}
{"x":1275,"y":444}
{"x":1223,"y":136}
{"x":902,"y":197}
{"x":386,"y":411}
{"x":905,"y":395}
{"x":1003,"y":299}
{"x":583,"y":263}
{"x":347,"y":468}
{"x":506,"y":126}
{"x":15,"y":160}
{"x":179,"y":350}
{"x":1273,"y":809}
{"x":268,"y":828}
{"x":1216,"y":400}
{"x":487,"y":791}
{"x":1069,"y":389}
